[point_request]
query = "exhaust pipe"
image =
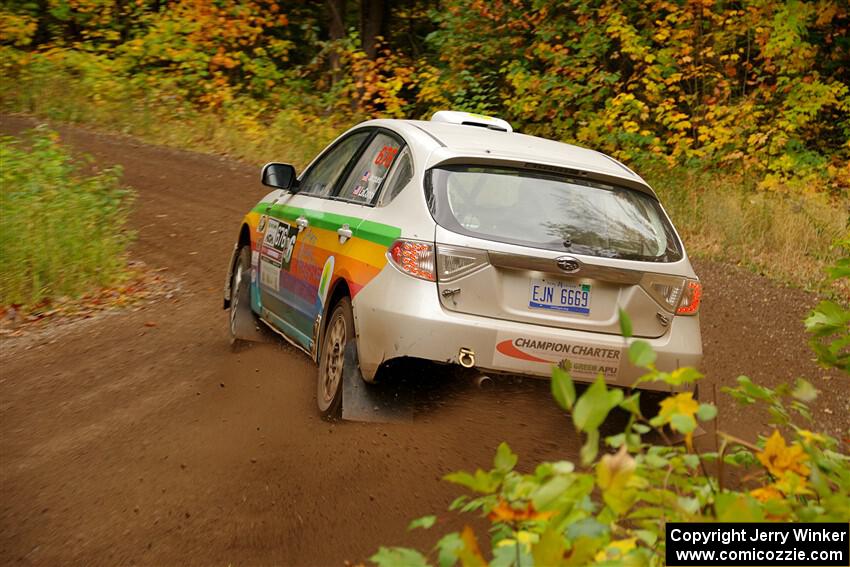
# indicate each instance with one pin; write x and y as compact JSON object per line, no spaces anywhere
{"x":466,"y":357}
{"x":483,"y":381}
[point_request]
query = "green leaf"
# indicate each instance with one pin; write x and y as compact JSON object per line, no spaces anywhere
{"x":647,"y":536}
{"x":737,"y":507}
{"x":684,"y":375}
{"x":804,"y":391}
{"x":691,"y":460}
{"x":632,"y":404}
{"x":448,"y":548}
{"x":505,"y":460}
{"x":683,"y":423}
{"x":641,"y":354}
{"x":462,"y":478}
{"x":827,"y":318}
{"x":616,"y":441}
{"x":505,"y":555}
{"x":544,"y":496}
{"x":590,"y":448}
{"x":588,"y":528}
{"x":397,"y":556}
{"x":593,"y":406}
{"x":424,"y":522}
{"x":549,"y":549}
{"x":655,"y":460}
{"x":584,"y":550}
{"x":563,"y":389}
{"x":480,"y":482}
{"x":625,"y":324}
{"x":689,"y":505}
{"x":841,"y":269}
{"x":752,"y":390}
{"x":706,"y":412}
{"x":543,"y":470}
{"x":458,"y":502}
{"x":563,"y":467}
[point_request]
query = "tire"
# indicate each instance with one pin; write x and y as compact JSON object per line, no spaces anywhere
{"x":240,"y":297}
{"x":338,"y":332}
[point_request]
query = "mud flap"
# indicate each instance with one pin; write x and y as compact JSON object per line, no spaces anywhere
{"x":246,"y":327}
{"x":377,"y":403}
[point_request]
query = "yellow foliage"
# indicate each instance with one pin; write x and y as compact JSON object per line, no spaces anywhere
{"x":779,"y":458}
{"x":16,"y":29}
{"x":682,"y":403}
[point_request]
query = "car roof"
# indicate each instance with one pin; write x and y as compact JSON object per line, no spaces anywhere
{"x":465,"y":138}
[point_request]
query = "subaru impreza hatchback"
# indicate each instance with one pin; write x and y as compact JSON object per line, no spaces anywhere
{"x":459,"y":241}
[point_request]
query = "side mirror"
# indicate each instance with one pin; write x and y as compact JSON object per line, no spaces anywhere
{"x":279,"y":176}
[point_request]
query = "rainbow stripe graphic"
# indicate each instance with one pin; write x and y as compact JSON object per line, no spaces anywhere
{"x":318,"y":262}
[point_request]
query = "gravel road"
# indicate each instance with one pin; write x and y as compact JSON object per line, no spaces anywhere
{"x":140,"y":438}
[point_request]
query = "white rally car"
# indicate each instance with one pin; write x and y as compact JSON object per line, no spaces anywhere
{"x":457,"y":240}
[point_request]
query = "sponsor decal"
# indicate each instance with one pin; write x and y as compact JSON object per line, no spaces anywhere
{"x":367,"y":186}
{"x":269,"y":275}
{"x":261,"y":226}
{"x":385,"y":156}
{"x":325,"y":280}
{"x":276,"y":252}
{"x":279,"y":243}
{"x":361,"y":188}
{"x":585,"y":360}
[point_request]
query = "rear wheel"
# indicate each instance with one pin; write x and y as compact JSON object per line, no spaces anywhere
{"x":339,"y":331}
{"x":240,"y":297}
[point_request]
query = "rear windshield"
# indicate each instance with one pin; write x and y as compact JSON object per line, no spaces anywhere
{"x":550,"y":211}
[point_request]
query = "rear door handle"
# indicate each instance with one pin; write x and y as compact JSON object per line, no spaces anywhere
{"x":302,"y":223}
{"x":344,"y":233}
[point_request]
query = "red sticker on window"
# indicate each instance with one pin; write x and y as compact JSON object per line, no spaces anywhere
{"x":385,"y":156}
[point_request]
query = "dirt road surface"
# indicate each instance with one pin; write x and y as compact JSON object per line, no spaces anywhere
{"x":139,"y":438}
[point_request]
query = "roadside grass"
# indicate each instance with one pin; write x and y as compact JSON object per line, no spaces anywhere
{"x":723,"y":217}
{"x":241,"y":128}
{"x":720,"y":214}
{"x":63,"y":223}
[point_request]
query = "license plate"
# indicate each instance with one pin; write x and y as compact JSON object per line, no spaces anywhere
{"x":559,"y":296}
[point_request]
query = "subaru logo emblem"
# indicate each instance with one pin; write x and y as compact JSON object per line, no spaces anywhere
{"x":568,"y":264}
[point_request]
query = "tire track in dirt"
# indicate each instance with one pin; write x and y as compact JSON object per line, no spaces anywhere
{"x":155,"y":445}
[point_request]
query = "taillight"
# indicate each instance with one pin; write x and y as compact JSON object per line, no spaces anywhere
{"x":691,"y":298}
{"x":675,"y":294}
{"x":454,"y":262}
{"x":413,"y":258}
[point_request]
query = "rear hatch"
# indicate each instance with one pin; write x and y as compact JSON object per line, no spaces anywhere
{"x":543,"y":248}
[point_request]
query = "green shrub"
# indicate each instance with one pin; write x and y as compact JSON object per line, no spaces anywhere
{"x":62,"y":223}
{"x":612,"y":510}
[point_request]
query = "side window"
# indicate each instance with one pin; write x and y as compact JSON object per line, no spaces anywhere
{"x":321,"y":178}
{"x":368,"y":174}
{"x":399,"y":178}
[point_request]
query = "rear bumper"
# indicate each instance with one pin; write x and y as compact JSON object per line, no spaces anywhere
{"x":399,"y":316}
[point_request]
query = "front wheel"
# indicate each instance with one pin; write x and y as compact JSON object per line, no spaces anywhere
{"x":241,"y":319}
{"x":339,"y":331}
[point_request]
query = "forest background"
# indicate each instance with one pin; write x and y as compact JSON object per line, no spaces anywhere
{"x":738,"y":113}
